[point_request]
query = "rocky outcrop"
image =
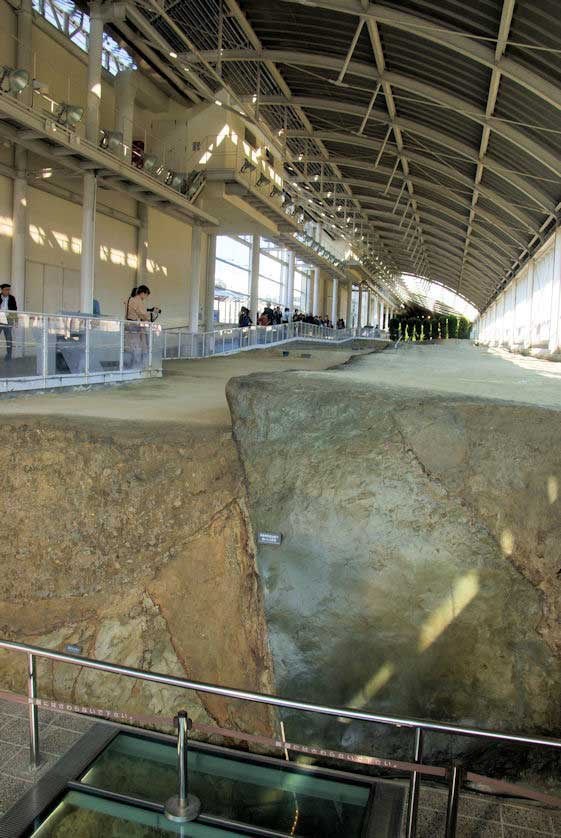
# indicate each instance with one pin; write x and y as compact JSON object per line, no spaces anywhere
{"x":418,"y":570}
{"x":135,"y":544}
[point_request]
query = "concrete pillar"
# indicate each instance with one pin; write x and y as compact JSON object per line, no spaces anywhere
{"x":315,"y":299}
{"x":194,"y":280}
{"x":382,"y":315}
{"x":209,"y":284}
{"x":19,"y":227}
{"x":290,"y":280}
{"x":125,"y":93}
{"x":24,"y":60}
{"x":555,"y":296}
{"x":335,"y":301}
{"x":94,"y":73}
{"x":349,"y":313}
{"x":24,"y":50}
{"x":87,"y":258}
{"x":254,"y":278}
{"x":359,"y":317}
{"x":368,"y":303}
{"x":87,"y":261}
{"x":141,"y":243}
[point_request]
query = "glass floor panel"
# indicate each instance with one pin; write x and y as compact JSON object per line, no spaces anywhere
{"x":243,"y":790}
{"x":84,"y":816}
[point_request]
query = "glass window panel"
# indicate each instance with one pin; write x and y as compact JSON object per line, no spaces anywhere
{"x":269,"y":291}
{"x":232,"y":278}
{"x":233,"y":251}
{"x":270,"y":268}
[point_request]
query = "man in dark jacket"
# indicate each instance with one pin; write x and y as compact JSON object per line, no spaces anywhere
{"x":7,"y":321}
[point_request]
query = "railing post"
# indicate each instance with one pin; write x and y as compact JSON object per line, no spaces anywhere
{"x":184,"y":807}
{"x":45,"y":338}
{"x":150,"y":338}
{"x":33,"y":711}
{"x":86,"y":347}
{"x":121,"y":346}
{"x":455,"y":777}
{"x":414,"y":787}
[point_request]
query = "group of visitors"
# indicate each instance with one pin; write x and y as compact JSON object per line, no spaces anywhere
{"x":277,"y":316}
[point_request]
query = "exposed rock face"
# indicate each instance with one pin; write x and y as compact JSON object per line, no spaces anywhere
{"x":135,"y":544}
{"x":417,"y":574}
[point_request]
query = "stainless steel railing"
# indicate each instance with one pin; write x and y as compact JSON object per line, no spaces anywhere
{"x":50,"y":350}
{"x":419,"y":726}
{"x":179,"y":342}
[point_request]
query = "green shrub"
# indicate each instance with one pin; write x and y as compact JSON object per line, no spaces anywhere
{"x":452,"y":326}
{"x":464,"y":328}
{"x":394,"y":328}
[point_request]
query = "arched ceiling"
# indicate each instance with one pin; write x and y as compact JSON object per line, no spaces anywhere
{"x":432,"y":128}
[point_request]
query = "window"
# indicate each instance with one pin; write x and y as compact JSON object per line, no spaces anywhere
{"x":250,"y":138}
{"x":269,"y":156}
{"x":232,"y":277}
{"x":75,"y":24}
{"x":196,"y":145}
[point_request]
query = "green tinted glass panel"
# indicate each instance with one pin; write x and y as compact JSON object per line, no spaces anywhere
{"x":83,"y":816}
{"x":276,"y":797}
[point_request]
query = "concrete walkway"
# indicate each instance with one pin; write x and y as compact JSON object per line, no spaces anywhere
{"x":462,"y":369}
{"x":191,"y":393}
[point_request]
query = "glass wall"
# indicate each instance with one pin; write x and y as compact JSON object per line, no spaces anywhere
{"x":232,"y":282}
{"x":526,"y":314}
{"x":232,"y":277}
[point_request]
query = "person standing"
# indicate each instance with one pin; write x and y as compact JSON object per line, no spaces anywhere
{"x":7,"y":304}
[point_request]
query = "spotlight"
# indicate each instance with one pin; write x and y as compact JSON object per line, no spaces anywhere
{"x":111,"y":140}
{"x":152,"y":165}
{"x":179,"y":182}
{"x":13,"y":80}
{"x":247,"y":166}
{"x":274,"y":192}
{"x":69,"y":115}
{"x":263,"y":180}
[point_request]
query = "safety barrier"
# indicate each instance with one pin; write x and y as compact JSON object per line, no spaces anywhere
{"x":179,"y":342}
{"x":455,"y":774}
{"x":61,"y":350}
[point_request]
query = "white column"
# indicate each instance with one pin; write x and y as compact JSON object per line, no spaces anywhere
{"x":368,"y":303}
{"x":141,"y":243}
{"x":555,"y":296}
{"x":24,"y":61}
{"x":19,"y":231}
{"x":87,"y":260}
{"x":95,"y":42}
{"x":382,"y":314}
{"x":349,"y":316}
{"x":335,"y":301}
{"x":315,"y":302}
{"x":209,"y":284}
{"x":290,"y":280}
{"x":194,"y":279}
{"x":125,"y":93}
{"x":254,"y":278}
{"x":359,"y":318}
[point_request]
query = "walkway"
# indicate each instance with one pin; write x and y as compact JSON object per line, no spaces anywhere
{"x":190,"y":392}
{"x":462,"y":369}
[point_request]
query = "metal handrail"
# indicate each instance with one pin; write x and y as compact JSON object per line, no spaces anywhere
{"x":418,"y":725}
{"x":276,"y":701}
